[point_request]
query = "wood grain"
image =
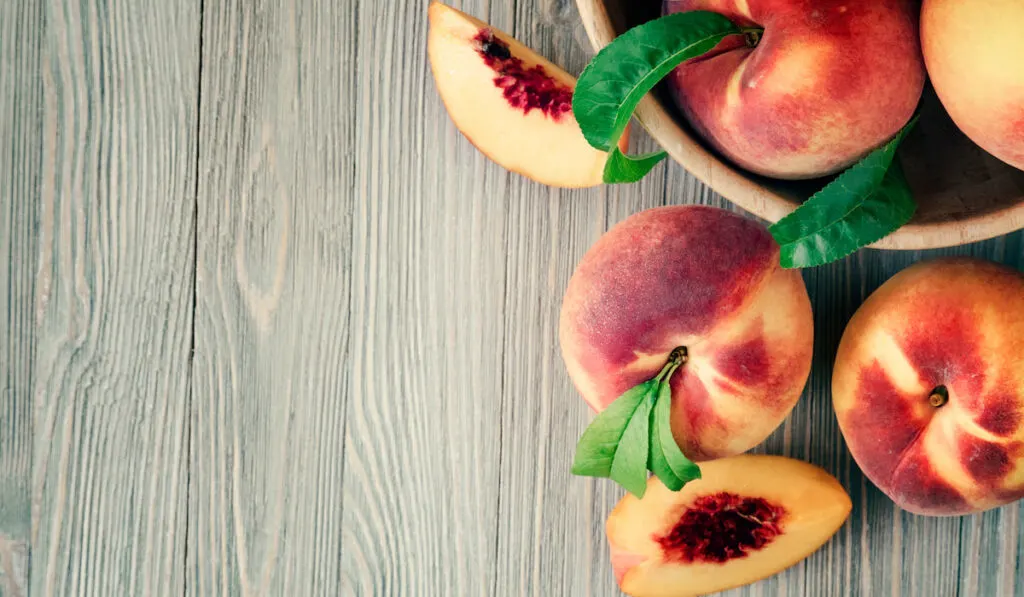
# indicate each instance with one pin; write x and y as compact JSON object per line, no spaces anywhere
{"x":550,"y":523}
{"x":21,"y":93}
{"x":423,"y":438}
{"x":113,"y":297}
{"x":271,"y":374}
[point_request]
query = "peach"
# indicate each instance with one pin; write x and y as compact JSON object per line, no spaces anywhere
{"x":708,"y":281}
{"x":973,"y":50}
{"x":928,"y":386}
{"x":828,"y":82}
{"x":747,"y":518}
{"x":513,"y":105}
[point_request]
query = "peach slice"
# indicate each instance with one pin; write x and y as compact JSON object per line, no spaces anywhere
{"x":747,"y":518}
{"x":513,"y":105}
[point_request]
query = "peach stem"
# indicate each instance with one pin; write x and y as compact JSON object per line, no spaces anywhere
{"x":752,"y":35}
{"x":939,"y":397}
{"x":676,"y":359}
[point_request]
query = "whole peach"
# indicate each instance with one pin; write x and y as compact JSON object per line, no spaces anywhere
{"x":828,"y":81}
{"x":928,"y":386}
{"x":707,"y":280}
{"x":974,"y":51}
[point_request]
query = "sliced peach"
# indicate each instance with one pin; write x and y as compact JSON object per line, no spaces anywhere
{"x":747,"y":518}
{"x":513,"y":105}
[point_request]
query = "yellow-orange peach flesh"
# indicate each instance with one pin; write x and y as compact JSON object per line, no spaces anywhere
{"x":701,"y":278}
{"x":929,"y":387}
{"x":512,"y":104}
{"x":974,"y":51}
{"x":829,"y":81}
{"x":747,"y":518}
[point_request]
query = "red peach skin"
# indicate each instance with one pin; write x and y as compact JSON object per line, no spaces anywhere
{"x":955,"y":325}
{"x":829,"y":81}
{"x":709,"y":280}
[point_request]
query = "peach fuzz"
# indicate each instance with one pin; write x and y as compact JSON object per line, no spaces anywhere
{"x":829,"y":81}
{"x":705,"y":279}
{"x":928,"y":387}
{"x":974,"y":51}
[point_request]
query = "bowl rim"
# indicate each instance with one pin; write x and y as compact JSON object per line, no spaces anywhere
{"x":737,"y":186}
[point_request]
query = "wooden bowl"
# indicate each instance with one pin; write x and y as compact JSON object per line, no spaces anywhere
{"x":963,"y":193}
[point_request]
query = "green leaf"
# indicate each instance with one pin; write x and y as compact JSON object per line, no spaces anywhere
{"x":657,"y":461}
{"x":864,"y":204}
{"x":634,"y":433}
{"x":625,"y":168}
{"x":629,"y":468}
{"x":622,"y":73}
{"x":681,"y":467}
{"x":596,"y":450}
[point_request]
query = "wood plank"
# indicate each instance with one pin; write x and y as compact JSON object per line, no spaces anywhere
{"x":421,"y":458}
{"x":550,"y":523}
{"x":811,"y":433}
{"x":21,"y":94}
{"x":271,"y":379}
{"x":114,"y":293}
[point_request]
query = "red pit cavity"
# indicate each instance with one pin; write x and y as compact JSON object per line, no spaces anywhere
{"x":525,"y":89}
{"x":722,"y":527}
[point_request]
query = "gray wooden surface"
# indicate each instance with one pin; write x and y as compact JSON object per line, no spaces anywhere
{"x":271,"y":326}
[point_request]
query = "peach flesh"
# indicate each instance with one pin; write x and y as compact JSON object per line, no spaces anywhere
{"x":793,"y":508}
{"x":498,"y":113}
{"x":525,"y":88}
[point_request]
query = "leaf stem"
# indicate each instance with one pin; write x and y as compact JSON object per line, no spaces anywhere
{"x":676,"y":359}
{"x":752,"y":35}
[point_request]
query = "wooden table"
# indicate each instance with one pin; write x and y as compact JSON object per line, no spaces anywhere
{"x":271,"y":326}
